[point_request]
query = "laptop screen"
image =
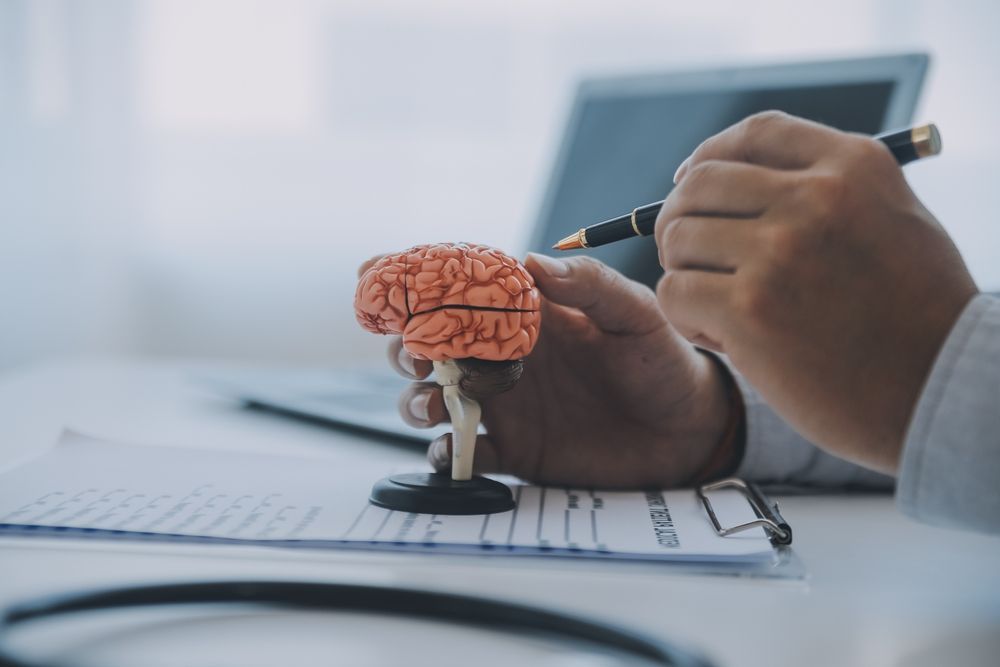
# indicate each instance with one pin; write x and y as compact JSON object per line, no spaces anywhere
{"x":622,"y":149}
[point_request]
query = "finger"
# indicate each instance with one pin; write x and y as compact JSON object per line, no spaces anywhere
{"x":613,"y":302}
{"x":714,"y":187}
{"x":487,"y":459}
{"x":367,"y":264}
{"x":696,"y":302}
{"x":707,"y":244}
{"x":405,"y":364}
{"x":771,"y":138}
{"x":422,"y":405}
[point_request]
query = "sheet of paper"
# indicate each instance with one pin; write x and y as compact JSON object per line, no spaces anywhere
{"x":85,"y":486}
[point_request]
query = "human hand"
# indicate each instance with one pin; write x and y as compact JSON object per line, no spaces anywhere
{"x":801,"y":252}
{"x":611,"y":396}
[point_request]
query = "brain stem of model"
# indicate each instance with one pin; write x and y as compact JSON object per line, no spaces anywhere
{"x":470,"y":309}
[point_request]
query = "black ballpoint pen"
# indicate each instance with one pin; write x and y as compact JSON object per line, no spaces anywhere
{"x":906,"y":145}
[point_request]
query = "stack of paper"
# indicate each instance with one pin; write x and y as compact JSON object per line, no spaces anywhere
{"x":87,"y":487}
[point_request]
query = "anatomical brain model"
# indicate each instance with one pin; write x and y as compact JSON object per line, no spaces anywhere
{"x":470,"y":309}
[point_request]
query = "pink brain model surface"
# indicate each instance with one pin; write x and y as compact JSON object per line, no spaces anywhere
{"x":452,"y":301}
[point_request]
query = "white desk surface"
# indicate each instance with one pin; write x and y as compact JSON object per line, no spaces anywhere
{"x":882,"y":589}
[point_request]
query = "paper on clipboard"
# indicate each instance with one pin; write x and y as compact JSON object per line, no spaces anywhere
{"x":87,"y":487}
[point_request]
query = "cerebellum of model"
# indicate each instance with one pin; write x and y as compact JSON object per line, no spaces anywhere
{"x":470,"y":309}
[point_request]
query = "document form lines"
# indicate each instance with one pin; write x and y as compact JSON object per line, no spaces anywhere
{"x":482,"y":531}
{"x":357,"y":520}
{"x":513,"y":518}
{"x":541,"y":518}
{"x":381,"y":527}
{"x":596,"y":503}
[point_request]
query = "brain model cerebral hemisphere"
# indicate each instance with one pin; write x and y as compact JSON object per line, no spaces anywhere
{"x":452,"y":301}
{"x":470,"y":309}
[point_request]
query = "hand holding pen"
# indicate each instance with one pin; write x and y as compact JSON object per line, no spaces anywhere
{"x":801,"y":252}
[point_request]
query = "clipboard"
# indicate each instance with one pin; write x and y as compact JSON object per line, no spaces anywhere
{"x":785,"y":563}
{"x":548,"y":522}
{"x":768,"y":515}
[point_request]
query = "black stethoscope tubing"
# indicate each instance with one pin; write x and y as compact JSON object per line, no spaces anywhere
{"x":448,"y":607}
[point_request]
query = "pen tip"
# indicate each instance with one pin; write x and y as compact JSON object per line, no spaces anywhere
{"x":571,"y":242}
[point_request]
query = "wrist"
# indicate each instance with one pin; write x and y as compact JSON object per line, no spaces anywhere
{"x":726,"y":441}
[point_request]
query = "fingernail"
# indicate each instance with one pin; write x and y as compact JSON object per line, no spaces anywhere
{"x":550,"y":265}
{"x":419,"y":406}
{"x":406,"y":362}
{"x":680,"y":169}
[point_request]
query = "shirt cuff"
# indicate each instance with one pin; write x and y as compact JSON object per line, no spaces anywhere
{"x":950,"y":466}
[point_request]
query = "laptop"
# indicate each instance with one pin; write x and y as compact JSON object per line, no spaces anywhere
{"x":623,"y":140}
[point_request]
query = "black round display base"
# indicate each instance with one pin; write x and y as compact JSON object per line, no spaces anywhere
{"x":437,"y":493}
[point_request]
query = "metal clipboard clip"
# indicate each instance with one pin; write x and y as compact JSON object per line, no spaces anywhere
{"x":769,"y":518}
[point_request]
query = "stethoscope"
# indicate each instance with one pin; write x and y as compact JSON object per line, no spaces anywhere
{"x":446,"y":607}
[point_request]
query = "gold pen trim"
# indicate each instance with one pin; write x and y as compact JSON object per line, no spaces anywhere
{"x":635,"y":226}
{"x":926,"y":140}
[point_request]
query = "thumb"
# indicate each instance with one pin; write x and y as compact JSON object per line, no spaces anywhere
{"x":613,"y":302}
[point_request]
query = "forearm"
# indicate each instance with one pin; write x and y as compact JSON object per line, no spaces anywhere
{"x":950,"y":466}
{"x":775,"y":454}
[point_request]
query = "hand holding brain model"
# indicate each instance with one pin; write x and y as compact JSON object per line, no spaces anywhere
{"x":470,"y":309}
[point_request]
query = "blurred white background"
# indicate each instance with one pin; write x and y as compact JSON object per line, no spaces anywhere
{"x":202,"y":177}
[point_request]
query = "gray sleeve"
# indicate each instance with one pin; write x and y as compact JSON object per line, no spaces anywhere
{"x":950,"y":468}
{"x":776,"y":454}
